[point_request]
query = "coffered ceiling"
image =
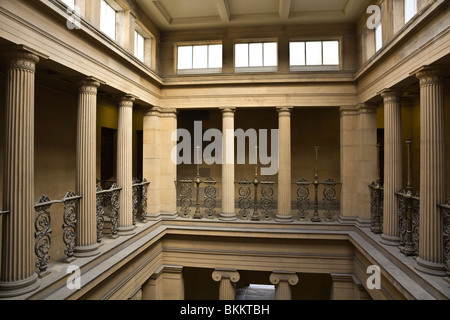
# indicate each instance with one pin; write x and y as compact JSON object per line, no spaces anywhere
{"x":187,"y":14}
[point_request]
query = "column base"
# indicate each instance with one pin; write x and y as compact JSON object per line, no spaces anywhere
{"x":18,"y":288}
{"x":284,"y":218}
{"x":390,"y":240}
{"x":86,"y":251}
{"x":227,"y":217}
{"x":433,"y":268}
{"x":126,"y":231}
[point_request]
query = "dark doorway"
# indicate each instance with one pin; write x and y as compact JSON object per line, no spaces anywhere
{"x":107,"y":153}
{"x":139,"y":154}
{"x":380,"y":141}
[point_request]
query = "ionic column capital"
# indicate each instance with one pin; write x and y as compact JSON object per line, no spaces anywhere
{"x":283,"y":276}
{"x":168,"y":112}
{"x":224,"y":274}
{"x":126,"y":101}
{"x":429,"y":75}
{"x":88,"y":85}
{"x":390,"y":95}
{"x":21,"y":57}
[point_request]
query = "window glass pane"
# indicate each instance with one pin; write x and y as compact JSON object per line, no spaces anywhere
{"x":108,"y":20}
{"x":410,"y":9}
{"x":70,"y":3}
{"x":270,"y":54}
{"x":378,"y":37}
{"x":297,"y":53}
{"x":241,"y":55}
{"x":139,"y":46}
{"x":215,"y":56}
{"x":330,"y":52}
{"x":314,"y":53}
{"x":255,"y":54}
{"x":185,"y":57}
{"x":200,"y":54}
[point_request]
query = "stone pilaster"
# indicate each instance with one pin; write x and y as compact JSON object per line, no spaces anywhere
{"x":160,"y":126}
{"x":392,"y":165}
{"x":18,"y":260}
{"x":228,"y":212}
{"x":226,"y":277}
{"x":125,"y":165}
{"x":168,"y":170}
{"x":284,"y":169}
{"x":343,"y":287}
{"x":282,"y":281}
{"x":367,"y":128}
{"x":349,"y":161}
{"x":432,"y":171}
{"x":85,"y":181}
{"x":152,"y":160}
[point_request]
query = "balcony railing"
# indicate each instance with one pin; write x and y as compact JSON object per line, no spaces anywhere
{"x":446,"y":211}
{"x":107,"y":208}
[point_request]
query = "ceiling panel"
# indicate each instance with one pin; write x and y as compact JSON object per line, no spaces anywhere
{"x":240,"y":7}
{"x":191,"y":14}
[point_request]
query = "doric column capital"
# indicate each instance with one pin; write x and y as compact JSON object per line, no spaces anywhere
{"x":231,"y":274}
{"x":283,"y":276}
{"x":284,"y":111}
{"x":429,"y":75}
{"x":390,"y":95}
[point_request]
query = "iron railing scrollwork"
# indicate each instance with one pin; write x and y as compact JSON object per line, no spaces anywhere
{"x":42,"y":235}
{"x":70,"y":224}
{"x":303,"y":203}
{"x":376,"y":207}
{"x":210,"y":197}
{"x":267,"y":200}
{"x":377,"y":200}
{"x":408,"y":213}
{"x":244,"y":200}
{"x":108,"y":199}
{"x":186,"y":201}
{"x":446,"y":235}
{"x":185,"y":196}
{"x":329,"y":199}
{"x":139,"y":200}
{"x":43,"y":231}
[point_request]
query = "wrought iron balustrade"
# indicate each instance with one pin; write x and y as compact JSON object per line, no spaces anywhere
{"x":329,"y":199}
{"x":409,"y":212}
{"x":43,"y":229}
{"x":264,"y":199}
{"x":140,"y":198}
{"x":446,"y":235}
{"x":186,"y":188}
{"x":108,"y":198}
{"x":376,"y":206}
{"x":409,"y":219}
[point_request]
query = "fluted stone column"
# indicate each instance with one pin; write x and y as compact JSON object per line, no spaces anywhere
{"x":432,"y":171}
{"x":284,"y":168}
{"x":125,"y":165}
{"x":85,"y":180}
{"x":226,"y":277}
{"x":392,"y":165}
{"x":283,"y":281}
{"x":18,"y":260}
{"x":228,"y":213}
